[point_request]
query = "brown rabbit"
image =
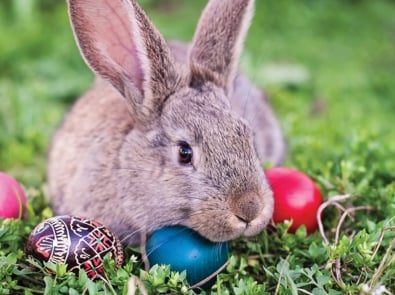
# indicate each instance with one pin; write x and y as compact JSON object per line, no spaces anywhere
{"x":169,"y":133}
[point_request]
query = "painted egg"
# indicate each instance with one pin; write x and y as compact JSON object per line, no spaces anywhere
{"x":78,"y":242}
{"x":184,"y":249}
{"x":296,"y":198}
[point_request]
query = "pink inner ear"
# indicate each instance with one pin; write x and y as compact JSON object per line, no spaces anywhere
{"x":109,"y":26}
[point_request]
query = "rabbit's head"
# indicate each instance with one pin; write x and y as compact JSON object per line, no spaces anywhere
{"x":191,"y":158}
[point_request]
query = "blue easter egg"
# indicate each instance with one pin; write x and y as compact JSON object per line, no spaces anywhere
{"x":184,"y":249}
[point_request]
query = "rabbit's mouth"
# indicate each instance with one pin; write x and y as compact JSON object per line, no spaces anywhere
{"x":256,"y":225}
{"x":251,"y":227}
{"x":220,"y":224}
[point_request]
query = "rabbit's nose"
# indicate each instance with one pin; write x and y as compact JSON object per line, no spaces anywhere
{"x":246,"y":207}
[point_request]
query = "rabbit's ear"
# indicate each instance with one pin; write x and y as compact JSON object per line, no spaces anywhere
{"x":218,"y":41}
{"x":121,"y":45}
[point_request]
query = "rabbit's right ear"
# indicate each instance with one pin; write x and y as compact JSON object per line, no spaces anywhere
{"x":218,"y":42}
{"x":121,"y":45}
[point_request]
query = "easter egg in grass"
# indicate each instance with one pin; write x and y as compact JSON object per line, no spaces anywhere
{"x":12,"y":197}
{"x":184,"y":249}
{"x":296,"y":198}
{"x":78,"y":242}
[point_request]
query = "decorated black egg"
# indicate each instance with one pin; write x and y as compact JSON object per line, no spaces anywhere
{"x":78,"y":242}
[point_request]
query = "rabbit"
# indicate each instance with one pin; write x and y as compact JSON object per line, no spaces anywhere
{"x":170,"y":133}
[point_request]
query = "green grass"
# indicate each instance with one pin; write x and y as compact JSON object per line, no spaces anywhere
{"x":337,"y":115}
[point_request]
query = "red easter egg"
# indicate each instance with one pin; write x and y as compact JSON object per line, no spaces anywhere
{"x":12,"y":197}
{"x":296,"y":198}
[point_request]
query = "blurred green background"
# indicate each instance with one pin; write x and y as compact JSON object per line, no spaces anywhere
{"x":327,"y":66}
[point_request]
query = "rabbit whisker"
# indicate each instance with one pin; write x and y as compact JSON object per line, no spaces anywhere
{"x":129,"y":235}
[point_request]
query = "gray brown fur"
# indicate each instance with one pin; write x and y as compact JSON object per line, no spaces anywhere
{"x":115,"y":157}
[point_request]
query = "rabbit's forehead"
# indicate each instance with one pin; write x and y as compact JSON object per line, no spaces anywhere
{"x":190,"y":99}
{"x":203,"y":110}
{"x":228,"y":139}
{"x":201,"y":121}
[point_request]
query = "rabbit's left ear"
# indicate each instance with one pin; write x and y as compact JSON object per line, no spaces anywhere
{"x":218,"y":41}
{"x":121,"y":45}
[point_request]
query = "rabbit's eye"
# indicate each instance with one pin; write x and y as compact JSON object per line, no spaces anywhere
{"x":185,"y":153}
